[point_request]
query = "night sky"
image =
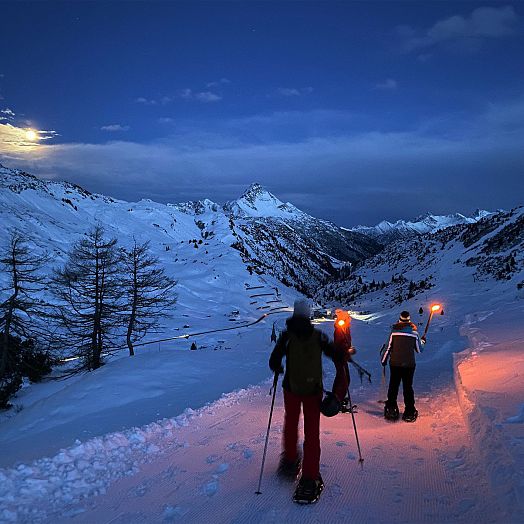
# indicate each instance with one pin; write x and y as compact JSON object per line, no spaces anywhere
{"x":353,"y":111}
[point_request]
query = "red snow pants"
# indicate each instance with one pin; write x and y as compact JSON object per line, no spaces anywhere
{"x":311,"y":458}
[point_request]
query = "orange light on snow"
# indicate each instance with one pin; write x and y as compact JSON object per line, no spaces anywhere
{"x":435,"y":308}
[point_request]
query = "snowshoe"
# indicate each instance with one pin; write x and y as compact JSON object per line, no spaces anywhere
{"x":289,"y":469}
{"x":308,"y":491}
{"x":344,"y":407}
{"x":391,"y":413}
{"x":410,"y":416}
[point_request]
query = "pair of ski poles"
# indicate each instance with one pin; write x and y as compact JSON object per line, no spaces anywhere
{"x":274,"y":388}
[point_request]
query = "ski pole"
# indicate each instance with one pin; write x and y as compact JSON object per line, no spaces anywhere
{"x":275,"y":381}
{"x":360,"y":460}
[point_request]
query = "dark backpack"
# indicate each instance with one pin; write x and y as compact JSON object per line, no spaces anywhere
{"x":304,"y":364}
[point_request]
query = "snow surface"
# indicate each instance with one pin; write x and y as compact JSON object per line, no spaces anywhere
{"x":177,"y":435}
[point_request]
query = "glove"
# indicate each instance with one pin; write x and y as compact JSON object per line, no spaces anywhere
{"x":278,"y":370}
{"x":423,"y":340}
{"x":349,"y":352}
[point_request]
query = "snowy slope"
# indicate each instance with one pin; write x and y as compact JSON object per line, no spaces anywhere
{"x":476,"y":271}
{"x":141,"y":440}
{"x":219,"y":285}
{"x":387,"y":232}
{"x":300,"y":250}
{"x":55,"y":213}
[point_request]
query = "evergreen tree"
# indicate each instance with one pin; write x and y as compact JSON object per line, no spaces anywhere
{"x":148,"y":292}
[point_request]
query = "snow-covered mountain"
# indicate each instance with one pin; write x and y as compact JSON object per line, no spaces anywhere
{"x":267,"y":236}
{"x":281,"y":240}
{"x":387,"y":232}
{"x":257,"y":202}
{"x":489,"y":249}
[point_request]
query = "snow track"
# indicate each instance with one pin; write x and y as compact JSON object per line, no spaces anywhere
{"x":422,"y":472}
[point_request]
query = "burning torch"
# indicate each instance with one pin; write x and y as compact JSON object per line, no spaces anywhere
{"x":435,"y":308}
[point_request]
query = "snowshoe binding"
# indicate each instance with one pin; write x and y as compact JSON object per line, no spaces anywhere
{"x":308,"y":491}
{"x":289,"y":469}
{"x":410,"y":416}
{"x":344,"y":407}
{"x":391,"y":413}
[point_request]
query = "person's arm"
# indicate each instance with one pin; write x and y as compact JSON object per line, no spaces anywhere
{"x":278,"y":353}
{"x":419,"y":348}
{"x":328,"y":348}
{"x":385,"y":356}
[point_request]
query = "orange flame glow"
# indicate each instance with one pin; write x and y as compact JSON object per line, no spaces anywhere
{"x":341,"y":322}
{"x":435,"y":308}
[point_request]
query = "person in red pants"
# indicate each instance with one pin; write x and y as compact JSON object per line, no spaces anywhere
{"x":302,"y":345}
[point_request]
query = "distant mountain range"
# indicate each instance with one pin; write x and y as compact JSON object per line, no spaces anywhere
{"x":482,"y":257}
{"x":271,"y":237}
{"x":386,"y":232}
{"x":258,"y":234}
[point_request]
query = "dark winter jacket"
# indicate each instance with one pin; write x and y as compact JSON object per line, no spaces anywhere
{"x":404,"y":342}
{"x":302,"y":332}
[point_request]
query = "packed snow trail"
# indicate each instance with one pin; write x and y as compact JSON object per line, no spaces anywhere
{"x":206,"y":463}
{"x":423,"y":472}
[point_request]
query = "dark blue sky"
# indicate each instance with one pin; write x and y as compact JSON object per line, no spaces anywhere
{"x":354,"y":111}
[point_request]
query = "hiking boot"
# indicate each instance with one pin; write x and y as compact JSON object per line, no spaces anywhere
{"x":410,"y":416}
{"x":289,"y":468}
{"x":391,"y":412}
{"x":308,"y":490}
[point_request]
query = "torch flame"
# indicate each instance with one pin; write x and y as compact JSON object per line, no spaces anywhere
{"x":341,"y":322}
{"x":435,"y":308}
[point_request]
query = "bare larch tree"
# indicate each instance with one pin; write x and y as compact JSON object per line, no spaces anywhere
{"x":148,"y":292}
{"x":22,"y":309}
{"x":89,"y":296}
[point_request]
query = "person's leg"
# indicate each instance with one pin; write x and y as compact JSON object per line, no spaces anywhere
{"x":395,"y":376}
{"x":407,"y":388}
{"x":290,"y":434}
{"x":311,"y":461}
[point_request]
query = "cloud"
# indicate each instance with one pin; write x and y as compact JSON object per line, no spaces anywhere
{"x":145,"y":101}
{"x":14,"y":141}
{"x":165,"y":120}
{"x":388,"y":85}
{"x":163,"y":100}
{"x":217,"y":83}
{"x":294,"y":91}
{"x":202,"y":96}
{"x":7,"y":114}
{"x":114,"y":127}
{"x":372,"y":174}
{"x":465,"y":32}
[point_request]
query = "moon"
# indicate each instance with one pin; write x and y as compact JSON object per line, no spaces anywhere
{"x":31,"y":135}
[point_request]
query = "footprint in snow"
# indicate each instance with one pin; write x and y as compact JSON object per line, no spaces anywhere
{"x":247,"y":453}
{"x":172,"y":512}
{"x":222,"y":468}
{"x":212,"y":458}
{"x":341,"y":443}
{"x":351,"y":456}
{"x":210,"y":488}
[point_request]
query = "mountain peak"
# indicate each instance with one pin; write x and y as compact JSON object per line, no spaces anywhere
{"x":256,"y":201}
{"x":256,"y":193}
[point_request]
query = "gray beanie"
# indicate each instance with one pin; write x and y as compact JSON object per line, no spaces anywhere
{"x":301,"y":308}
